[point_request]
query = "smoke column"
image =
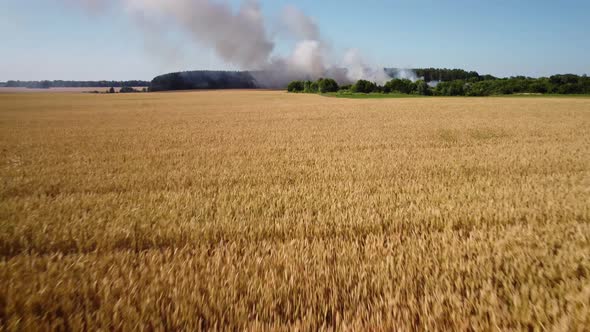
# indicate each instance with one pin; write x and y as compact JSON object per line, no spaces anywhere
{"x":241,"y":38}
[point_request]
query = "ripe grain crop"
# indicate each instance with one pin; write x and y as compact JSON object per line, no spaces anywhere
{"x":261,"y":210}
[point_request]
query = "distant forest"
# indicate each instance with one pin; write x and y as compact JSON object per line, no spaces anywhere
{"x":208,"y":79}
{"x":442,"y":74}
{"x":204,"y":79}
{"x":425,"y":81}
{"x":73,"y":84}
{"x":454,"y":82}
{"x":430,"y":81}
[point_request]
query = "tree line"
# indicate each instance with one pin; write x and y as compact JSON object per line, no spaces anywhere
{"x":203,"y":79}
{"x":486,"y":85}
{"x":556,"y":84}
{"x":73,"y":84}
{"x":326,"y":85}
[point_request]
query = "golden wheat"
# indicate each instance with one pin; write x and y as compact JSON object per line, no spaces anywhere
{"x":270,"y":211}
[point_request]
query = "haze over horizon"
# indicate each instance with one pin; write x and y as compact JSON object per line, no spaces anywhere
{"x":59,"y":39}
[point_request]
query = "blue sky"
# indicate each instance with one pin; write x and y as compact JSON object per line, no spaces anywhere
{"x":53,"y":39}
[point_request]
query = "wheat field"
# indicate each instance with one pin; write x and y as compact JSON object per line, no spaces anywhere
{"x":262,"y":210}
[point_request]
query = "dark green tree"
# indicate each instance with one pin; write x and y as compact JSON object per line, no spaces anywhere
{"x":452,"y":88}
{"x":127,"y":89}
{"x":327,"y":85}
{"x":295,"y":86}
{"x":364,"y":86}
{"x":422,"y":88}
{"x":400,"y":86}
{"x":313,"y":87}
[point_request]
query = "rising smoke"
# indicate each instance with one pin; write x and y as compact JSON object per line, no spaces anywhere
{"x":241,"y":38}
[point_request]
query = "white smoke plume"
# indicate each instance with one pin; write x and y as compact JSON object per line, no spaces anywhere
{"x":238,"y":38}
{"x":407,"y":74}
{"x":241,"y":38}
{"x":357,"y":69}
{"x":433,"y":84}
{"x":300,"y":25}
{"x":402,"y":73}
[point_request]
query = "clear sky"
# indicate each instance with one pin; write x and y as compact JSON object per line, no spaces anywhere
{"x":55,"y":39}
